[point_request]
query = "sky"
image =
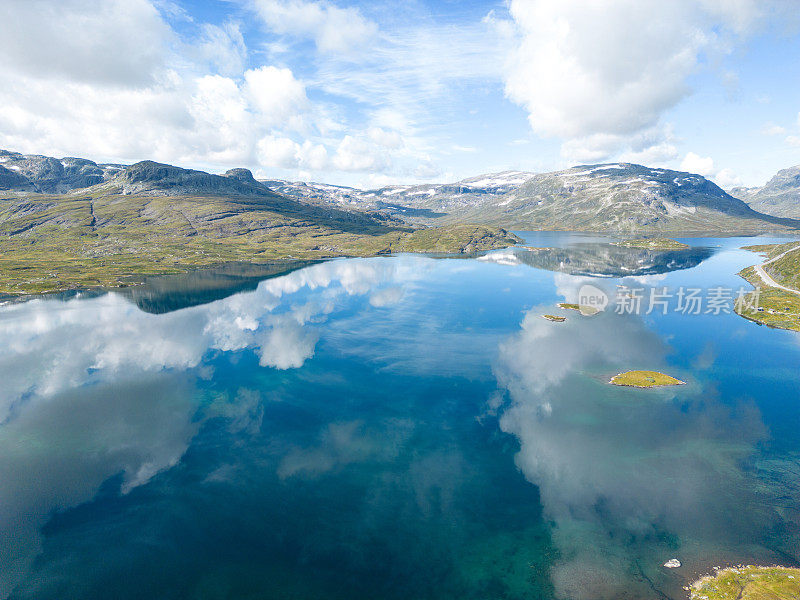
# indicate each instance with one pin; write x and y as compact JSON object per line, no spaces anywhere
{"x":375,"y":93}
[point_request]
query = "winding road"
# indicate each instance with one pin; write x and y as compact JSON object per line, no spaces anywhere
{"x":766,"y":278}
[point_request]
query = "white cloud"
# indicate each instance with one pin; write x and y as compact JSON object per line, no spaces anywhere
{"x":385,"y":138}
{"x":223,"y":47}
{"x":118,"y":42}
{"x":359,"y":154}
{"x":593,"y":74}
{"x":275,"y":93}
{"x":694,"y":163}
{"x":131,"y":88}
{"x":793,"y":140}
{"x":727,"y":179}
{"x":773,"y":129}
{"x":278,"y":152}
{"x":333,"y":29}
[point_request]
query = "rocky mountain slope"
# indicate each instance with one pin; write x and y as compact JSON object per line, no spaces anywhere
{"x":779,"y":197}
{"x":615,"y":197}
{"x":410,"y":201}
{"x":622,"y":198}
{"x":36,"y":173}
{"x":151,"y":218}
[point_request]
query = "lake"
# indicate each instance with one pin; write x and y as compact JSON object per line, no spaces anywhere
{"x":398,"y":427}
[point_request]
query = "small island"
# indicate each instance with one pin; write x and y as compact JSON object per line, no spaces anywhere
{"x":654,"y":244}
{"x":584,"y":309}
{"x":554,"y":318}
{"x":644,"y":379}
{"x":748,"y":583}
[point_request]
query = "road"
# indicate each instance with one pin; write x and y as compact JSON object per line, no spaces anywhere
{"x":766,"y":278}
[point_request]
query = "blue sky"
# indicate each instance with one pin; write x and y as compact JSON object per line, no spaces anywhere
{"x":372,"y":93}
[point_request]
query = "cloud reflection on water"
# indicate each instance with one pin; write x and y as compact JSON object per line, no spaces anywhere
{"x":94,"y":388}
{"x":628,"y":476}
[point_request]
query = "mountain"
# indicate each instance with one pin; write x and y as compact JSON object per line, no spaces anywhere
{"x":413,"y":202}
{"x":617,"y":197}
{"x":779,"y":197}
{"x":151,"y":218}
{"x":621,"y":197}
{"x":148,"y":177}
{"x":36,"y":173}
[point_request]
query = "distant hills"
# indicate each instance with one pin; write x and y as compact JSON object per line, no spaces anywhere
{"x":45,"y":174}
{"x":623,"y":198}
{"x":780,"y":196}
{"x":617,"y":197}
{"x":410,"y":201}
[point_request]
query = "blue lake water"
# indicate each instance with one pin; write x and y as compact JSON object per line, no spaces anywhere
{"x":396,"y":427}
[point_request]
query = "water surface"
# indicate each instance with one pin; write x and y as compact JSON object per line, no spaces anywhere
{"x":395,"y":427}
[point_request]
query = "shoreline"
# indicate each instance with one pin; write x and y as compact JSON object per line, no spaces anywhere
{"x":773,"y":581}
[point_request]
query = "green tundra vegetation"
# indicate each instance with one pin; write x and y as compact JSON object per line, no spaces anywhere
{"x":583,"y":309}
{"x":100,"y":236}
{"x":568,"y":306}
{"x":748,"y":583}
{"x":644,"y":379}
{"x":772,"y":306}
{"x":654,"y":244}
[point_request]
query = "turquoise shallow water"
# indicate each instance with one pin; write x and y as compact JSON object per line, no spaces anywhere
{"x":399,"y":427}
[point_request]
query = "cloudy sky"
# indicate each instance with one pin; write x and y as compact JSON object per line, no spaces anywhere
{"x":371,"y":93}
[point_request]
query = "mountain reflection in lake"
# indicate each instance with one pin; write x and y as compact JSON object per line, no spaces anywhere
{"x":602,"y":259}
{"x":397,"y":427}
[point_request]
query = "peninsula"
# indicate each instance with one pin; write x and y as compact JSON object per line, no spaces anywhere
{"x":775,"y":301}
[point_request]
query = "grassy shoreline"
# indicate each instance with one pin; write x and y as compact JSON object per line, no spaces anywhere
{"x":83,"y":241}
{"x":748,"y":583}
{"x":767,"y":305}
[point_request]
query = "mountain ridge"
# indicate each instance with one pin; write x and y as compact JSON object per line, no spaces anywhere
{"x":150,"y":218}
{"x":779,"y":197}
{"x":613,"y":197}
{"x":626,"y":198}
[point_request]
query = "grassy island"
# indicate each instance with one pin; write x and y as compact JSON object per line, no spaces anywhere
{"x":554,"y":318}
{"x":583,"y":309}
{"x":748,"y":583}
{"x":644,"y":379}
{"x":654,"y":244}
